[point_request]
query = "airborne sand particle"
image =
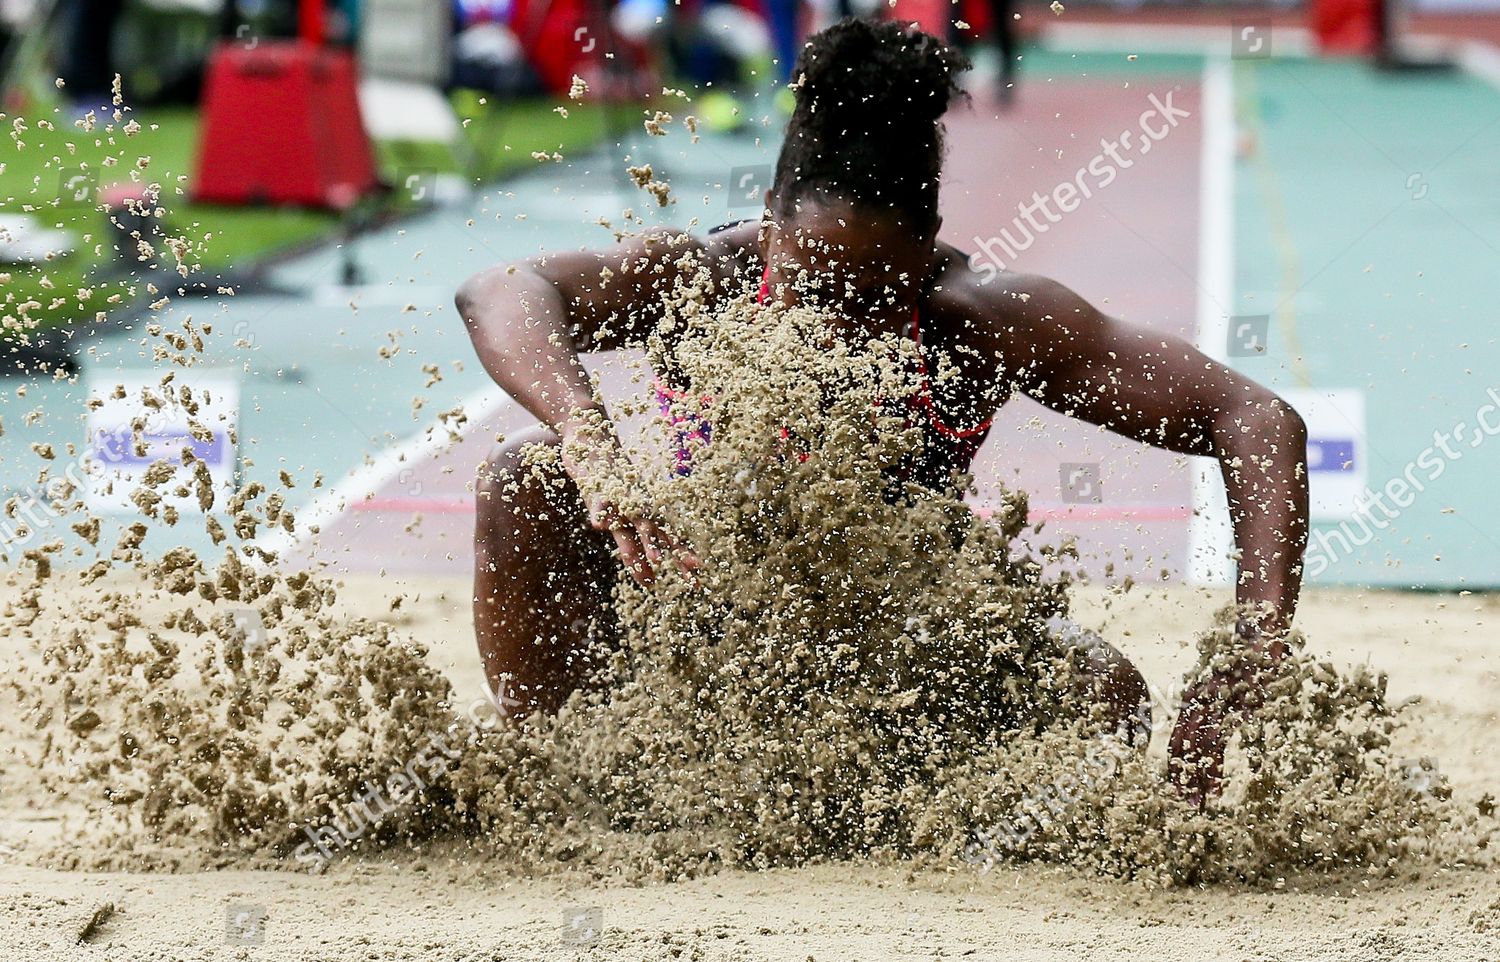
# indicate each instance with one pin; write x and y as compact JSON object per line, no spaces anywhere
{"x":860,"y":670}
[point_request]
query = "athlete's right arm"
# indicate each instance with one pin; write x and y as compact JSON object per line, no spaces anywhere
{"x":530,"y":320}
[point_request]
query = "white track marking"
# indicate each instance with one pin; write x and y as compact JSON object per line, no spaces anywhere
{"x":1482,"y":60}
{"x":1210,"y":535}
{"x":366,"y":480}
{"x":1201,"y":40}
{"x":1210,"y":532}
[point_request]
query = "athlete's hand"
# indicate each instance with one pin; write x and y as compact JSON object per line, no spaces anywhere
{"x":599,"y":466}
{"x":1199,"y":739}
{"x":1210,"y":709}
{"x":646,"y":547}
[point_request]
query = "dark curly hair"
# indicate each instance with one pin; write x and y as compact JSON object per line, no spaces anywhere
{"x":867,"y":127}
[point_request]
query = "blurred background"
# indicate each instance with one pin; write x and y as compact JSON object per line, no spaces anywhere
{"x":1306,"y":190}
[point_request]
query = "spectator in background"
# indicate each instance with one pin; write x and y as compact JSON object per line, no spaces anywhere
{"x":487,"y":54}
{"x":782,"y":18}
{"x":719,"y":47}
{"x":279,"y":18}
{"x":14,"y":15}
{"x":1003,"y":34}
{"x":88,"y":67}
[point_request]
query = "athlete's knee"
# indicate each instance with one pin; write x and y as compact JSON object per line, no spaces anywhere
{"x":1114,"y":683}
{"x":514,"y":462}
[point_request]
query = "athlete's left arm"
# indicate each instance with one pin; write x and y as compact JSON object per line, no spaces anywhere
{"x":1157,"y":388}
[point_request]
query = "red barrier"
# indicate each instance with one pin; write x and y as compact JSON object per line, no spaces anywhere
{"x":931,"y":16}
{"x":281,"y":125}
{"x":1347,"y":26}
{"x":561,"y":38}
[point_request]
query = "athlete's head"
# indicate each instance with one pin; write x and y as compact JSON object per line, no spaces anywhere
{"x":852,"y":215}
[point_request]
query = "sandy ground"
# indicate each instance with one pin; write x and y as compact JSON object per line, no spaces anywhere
{"x":436,"y":904}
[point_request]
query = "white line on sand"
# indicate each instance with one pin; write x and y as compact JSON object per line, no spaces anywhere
{"x":1210,"y":536}
{"x":367,"y":479}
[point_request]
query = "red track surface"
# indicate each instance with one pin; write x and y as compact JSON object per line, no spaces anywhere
{"x":1132,"y":249}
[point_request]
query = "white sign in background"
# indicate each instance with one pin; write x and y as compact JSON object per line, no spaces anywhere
{"x":118,"y":469}
{"x":1337,"y":449}
{"x":1337,"y":472}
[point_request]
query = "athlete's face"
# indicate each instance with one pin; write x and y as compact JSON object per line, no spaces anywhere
{"x":869,"y":271}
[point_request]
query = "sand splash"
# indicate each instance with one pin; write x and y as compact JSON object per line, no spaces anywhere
{"x":862,"y":669}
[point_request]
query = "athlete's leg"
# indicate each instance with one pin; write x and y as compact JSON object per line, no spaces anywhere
{"x":542,"y":577}
{"x":1003,"y":32}
{"x":1109,"y":680}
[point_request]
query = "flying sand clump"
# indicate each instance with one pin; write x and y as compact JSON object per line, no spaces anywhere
{"x":860,"y":668}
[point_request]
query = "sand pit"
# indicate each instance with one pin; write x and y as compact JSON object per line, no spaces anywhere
{"x":851,"y":734}
{"x":441,"y":903}
{"x":754,"y":776}
{"x":852,"y":731}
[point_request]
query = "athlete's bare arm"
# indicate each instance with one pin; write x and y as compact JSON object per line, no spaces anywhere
{"x":530,"y":320}
{"x":1156,"y":388}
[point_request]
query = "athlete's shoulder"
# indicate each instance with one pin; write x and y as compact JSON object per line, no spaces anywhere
{"x":673,"y":252}
{"x":996,"y":298}
{"x":732,"y":251}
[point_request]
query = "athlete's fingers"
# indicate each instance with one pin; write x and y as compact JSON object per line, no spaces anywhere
{"x":632,"y":555}
{"x":1197,"y":750}
{"x":687,"y":562}
{"x":1202,"y":782}
{"x":665,"y":541}
{"x":1184,"y":762}
{"x":652,"y":539}
{"x":671,"y":545}
{"x":602,"y":515}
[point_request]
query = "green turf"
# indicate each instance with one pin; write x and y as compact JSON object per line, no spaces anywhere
{"x":1039,"y":64}
{"x":53,"y":150}
{"x":50,"y":150}
{"x":503,"y":137}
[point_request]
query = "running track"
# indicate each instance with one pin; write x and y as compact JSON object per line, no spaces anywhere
{"x":1126,"y":249}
